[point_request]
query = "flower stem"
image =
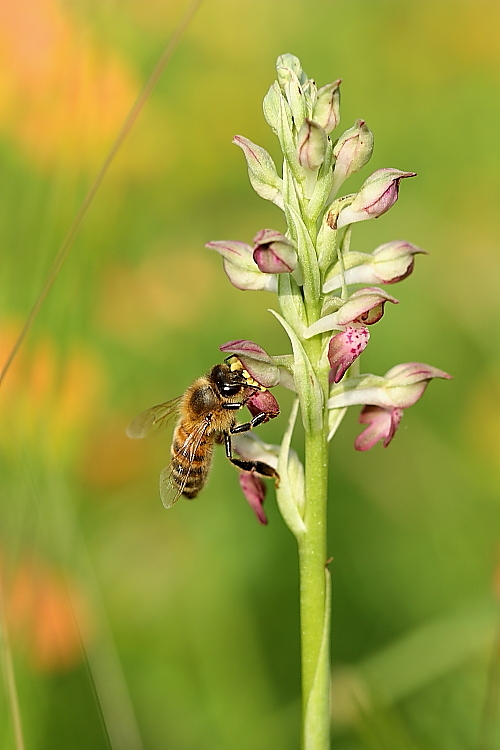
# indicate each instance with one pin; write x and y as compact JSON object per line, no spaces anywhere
{"x":314,"y":596}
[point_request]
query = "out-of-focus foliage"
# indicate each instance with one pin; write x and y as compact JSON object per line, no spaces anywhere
{"x":179,"y":629}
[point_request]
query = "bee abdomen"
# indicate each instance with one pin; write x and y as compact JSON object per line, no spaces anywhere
{"x":190,"y":469}
{"x":190,"y":478}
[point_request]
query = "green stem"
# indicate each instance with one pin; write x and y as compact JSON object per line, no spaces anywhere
{"x":314,"y":604}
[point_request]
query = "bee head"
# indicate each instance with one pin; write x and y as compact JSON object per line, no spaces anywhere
{"x":230,"y":378}
{"x":236,"y":366}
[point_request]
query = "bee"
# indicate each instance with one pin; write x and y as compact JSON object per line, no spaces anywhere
{"x":205,"y":416}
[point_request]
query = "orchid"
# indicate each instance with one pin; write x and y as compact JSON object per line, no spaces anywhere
{"x":311,"y":264}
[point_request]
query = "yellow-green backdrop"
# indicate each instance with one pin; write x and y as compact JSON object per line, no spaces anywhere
{"x":137,"y":628}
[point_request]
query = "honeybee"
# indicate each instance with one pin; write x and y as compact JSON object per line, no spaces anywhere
{"x":206,"y":415}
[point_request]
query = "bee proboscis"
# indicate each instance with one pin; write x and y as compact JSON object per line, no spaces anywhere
{"x":206,"y":415}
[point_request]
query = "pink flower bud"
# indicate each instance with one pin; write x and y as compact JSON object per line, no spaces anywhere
{"x":311,"y":145}
{"x":352,"y":151}
{"x":273,"y":252}
{"x":376,"y":196}
{"x":326,"y":110}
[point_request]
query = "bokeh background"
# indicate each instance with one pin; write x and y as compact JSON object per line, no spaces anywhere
{"x":131,"y":627}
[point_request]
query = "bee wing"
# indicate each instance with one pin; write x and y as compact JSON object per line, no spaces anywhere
{"x":171,"y":490}
{"x":153,"y":419}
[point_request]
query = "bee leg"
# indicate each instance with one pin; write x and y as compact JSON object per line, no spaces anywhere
{"x":260,"y":418}
{"x":258,"y":467}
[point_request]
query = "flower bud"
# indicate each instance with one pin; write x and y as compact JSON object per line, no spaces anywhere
{"x":240,"y":267}
{"x":271,"y":106}
{"x":388,"y":264}
{"x":311,"y":145}
{"x":352,"y":151}
{"x":286,"y":63}
{"x":376,"y":196}
{"x":290,"y":82}
{"x":273,"y":252}
{"x":261,"y":171}
{"x":326,"y":110}
{"x":364,"y":307}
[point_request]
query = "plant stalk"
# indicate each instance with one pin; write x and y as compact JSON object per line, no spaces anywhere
{"x":315,"y":596}
{"x":312,"y":546}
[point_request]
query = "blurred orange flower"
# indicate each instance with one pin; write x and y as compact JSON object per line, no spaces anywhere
{"x":47,"y":614}
{"x":48,"y":397}
{"x":61,"y":94}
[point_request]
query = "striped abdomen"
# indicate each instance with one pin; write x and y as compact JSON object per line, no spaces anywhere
{"x":191,"y":459}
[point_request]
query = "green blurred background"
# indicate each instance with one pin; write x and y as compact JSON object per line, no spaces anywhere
{"x":136,"y":628}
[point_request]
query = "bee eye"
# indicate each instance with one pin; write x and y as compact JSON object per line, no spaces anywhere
{"x":230,"y":389}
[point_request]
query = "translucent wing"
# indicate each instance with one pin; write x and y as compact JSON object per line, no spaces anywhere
{"x":153,"y":419}
{"x":171,"y":484}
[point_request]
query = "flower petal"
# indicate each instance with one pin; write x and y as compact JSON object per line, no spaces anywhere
{"x":255,"y":360}
{"x":409,"y":373}
{"x":254,"y":281}
{"x":251,"y":448}
{"x":273,"y":252}
{"x":382,"y":425}
{"x":344,"y":348}
{"x":240,"y":266}
{"x":263,"y":401}
{"x":239,"y":253}
{"x":254,"y":490}
{"x":243,"y":347}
